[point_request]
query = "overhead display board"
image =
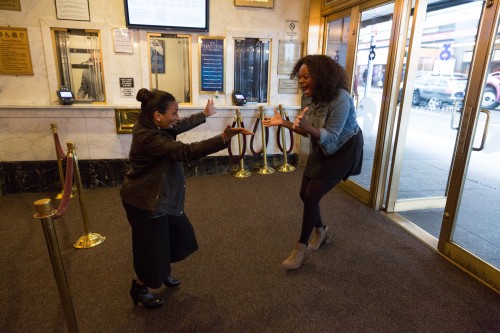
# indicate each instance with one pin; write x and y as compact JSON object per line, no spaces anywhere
{"x":183,"y":15}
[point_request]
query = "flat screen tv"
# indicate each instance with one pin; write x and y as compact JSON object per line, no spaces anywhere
{"x":182,"y":15}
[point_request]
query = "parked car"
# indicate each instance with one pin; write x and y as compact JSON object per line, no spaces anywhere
{"x":436,"y":90}
{"x":491,"y":93}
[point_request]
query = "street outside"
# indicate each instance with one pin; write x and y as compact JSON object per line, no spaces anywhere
{"x":428,"y":152}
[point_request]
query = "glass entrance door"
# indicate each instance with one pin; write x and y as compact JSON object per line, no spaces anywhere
{"x":445,"y":177}
{"x":365,"y":55}
{"x":471,"y":226}
{"x":438,"y":66}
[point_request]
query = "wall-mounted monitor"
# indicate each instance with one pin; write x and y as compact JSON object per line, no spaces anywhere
{"x":181,"y":15}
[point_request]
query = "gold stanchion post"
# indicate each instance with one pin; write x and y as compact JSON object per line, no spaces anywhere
{"x":44,"y":212}
{"x":88,"y":239}
{"x":60,"y":195}
{"x":264,"y":170}
{"x":285,"y":167}
{"x":242,"y":172}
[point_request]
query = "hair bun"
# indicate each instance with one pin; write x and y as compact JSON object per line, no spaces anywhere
{"x":143,"y":95}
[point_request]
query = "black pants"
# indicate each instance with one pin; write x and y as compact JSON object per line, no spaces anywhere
{"x":157,"y":242}
{"x":312,"y":191}
{"x":322,"y":174}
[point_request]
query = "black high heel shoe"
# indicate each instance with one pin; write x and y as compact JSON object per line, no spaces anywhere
{"x":140,"y":293}
{"x":172,"y":282}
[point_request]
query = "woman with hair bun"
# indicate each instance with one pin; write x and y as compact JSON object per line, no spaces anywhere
{"x":154,"y":187}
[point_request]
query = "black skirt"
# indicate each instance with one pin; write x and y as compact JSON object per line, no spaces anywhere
{"x":345,"y":162}
{"x":158,"y":241}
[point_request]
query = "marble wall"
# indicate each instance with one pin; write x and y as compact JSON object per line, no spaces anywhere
{"x":28,"y":158}
{"x":29,"y":104}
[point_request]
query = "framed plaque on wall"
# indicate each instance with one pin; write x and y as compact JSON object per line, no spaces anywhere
{"x":211,"y":64}
{"x":10,"y":5}
{"x":253,"y":3}
{"x":15,"y":51}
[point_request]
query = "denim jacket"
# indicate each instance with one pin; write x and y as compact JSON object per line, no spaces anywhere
{"x":155,"y":181}
{"x":335,"y":120}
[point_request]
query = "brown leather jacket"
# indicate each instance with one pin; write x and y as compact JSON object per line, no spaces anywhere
{"x":155,"y":181}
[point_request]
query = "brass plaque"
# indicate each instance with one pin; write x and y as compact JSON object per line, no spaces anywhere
{"x":125,"y":120}
{"x":10,"y":5}
{"x":255,"y":3}
{"x":288,"y":86}
{"x":15,"y":58}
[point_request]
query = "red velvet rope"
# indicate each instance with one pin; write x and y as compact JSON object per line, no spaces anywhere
{"x":68,"y":187}
{"x":59,"y":149}
{"x":280,"y":146}
{"x":243,"y":149}
{"x":266,"y":134}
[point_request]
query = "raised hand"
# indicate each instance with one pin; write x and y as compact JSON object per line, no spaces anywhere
{"x":300,"y":120}
{"x":276,"y":120}
{"x":209,"y":108}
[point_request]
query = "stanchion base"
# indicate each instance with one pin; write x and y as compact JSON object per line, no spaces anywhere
{"x":265,"y":170}
{"x":242,"y":173}
{"x":286,"y":168}
{"x":73,"y":194}
{"x":89,"y":240}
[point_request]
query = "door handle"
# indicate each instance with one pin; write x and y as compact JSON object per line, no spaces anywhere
{"x":355,"y":96}
{"x":485,"y":132}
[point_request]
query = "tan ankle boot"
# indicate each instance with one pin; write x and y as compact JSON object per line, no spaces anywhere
{"x":320,"y":236}
{"x":299,"y":255}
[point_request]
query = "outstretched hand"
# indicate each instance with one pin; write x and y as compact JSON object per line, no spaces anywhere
{"x":229,"y":132}
{"x":276,"y":120}
{"x":300,"y":121}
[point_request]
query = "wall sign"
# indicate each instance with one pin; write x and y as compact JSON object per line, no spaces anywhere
{"x":76,"y":10}
{"x":288,"y":54}
{"x":255,"y":3}
{"x":10,"y":5}
{"x":288,"y":86}
{"x":15,"y":57}
{"x":291,"y":29}
{"x":211,"y":64}
{"x":127,"y":87}
{"x":124,"y":42}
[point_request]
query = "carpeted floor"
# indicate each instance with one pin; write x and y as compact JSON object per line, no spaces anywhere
{"x":372,"y":277}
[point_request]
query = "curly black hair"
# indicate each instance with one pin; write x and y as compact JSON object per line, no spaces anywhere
{"x":327,"y":75}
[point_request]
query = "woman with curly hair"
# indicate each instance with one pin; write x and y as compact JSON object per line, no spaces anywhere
{"x":328,"y":117}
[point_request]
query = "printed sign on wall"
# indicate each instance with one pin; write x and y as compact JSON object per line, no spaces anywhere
{"x":211,"y":64}
{"x":15,"y":57}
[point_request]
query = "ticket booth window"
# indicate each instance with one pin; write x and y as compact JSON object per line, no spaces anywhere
{"x":170,"y":65}
{"x":251,"y":68}
{"x":79,"y":64}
